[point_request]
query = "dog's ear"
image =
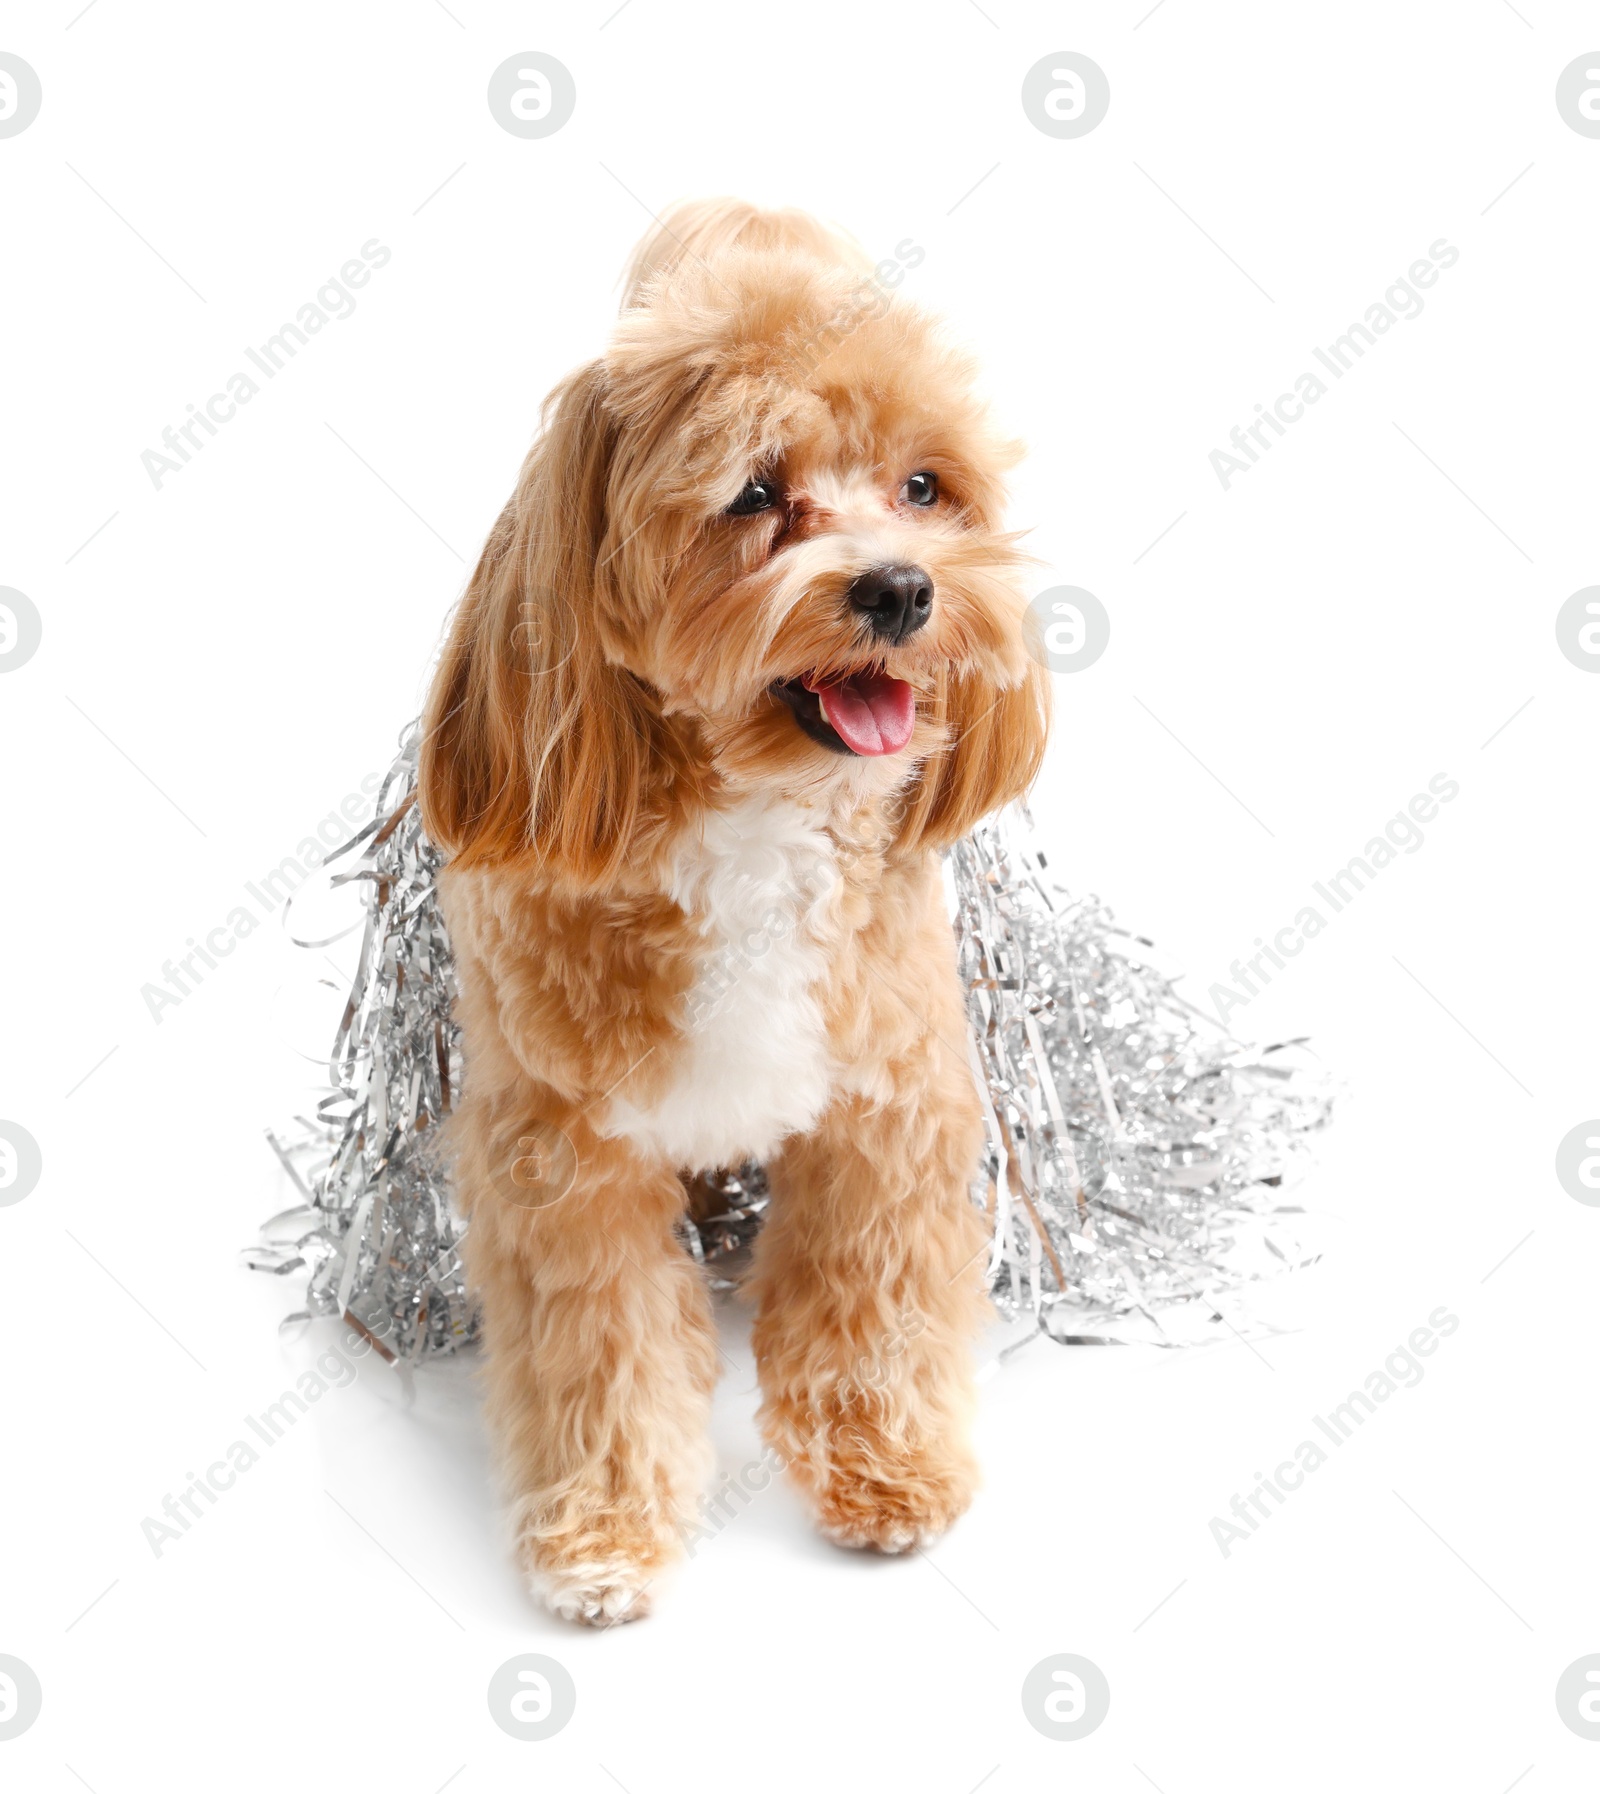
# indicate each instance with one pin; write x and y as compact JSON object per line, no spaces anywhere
{"x":996,"y":742}
{"x":533,"y":743}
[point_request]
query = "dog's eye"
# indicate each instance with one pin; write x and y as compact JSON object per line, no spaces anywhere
{"x":759,"y":495}
{"x":921,"y":489}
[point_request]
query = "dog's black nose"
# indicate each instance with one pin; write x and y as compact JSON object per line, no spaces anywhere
{"x":897,"y":601}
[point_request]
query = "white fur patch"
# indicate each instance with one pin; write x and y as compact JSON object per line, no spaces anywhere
{"x":603,"y":1592}
{"x":752,"y":1063}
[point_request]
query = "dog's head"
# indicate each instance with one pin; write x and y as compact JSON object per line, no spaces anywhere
{"x":758,"y":544}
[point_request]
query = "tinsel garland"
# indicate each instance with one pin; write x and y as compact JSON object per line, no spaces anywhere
{"x":1135,"y":1154}
{"x":1134,"y":1160}
{"x":377,"y":1226}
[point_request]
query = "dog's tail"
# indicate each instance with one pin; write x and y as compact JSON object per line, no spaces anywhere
{"x":703,"y":229}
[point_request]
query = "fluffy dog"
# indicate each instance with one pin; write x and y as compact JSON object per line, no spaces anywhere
{"x":742,"y":654}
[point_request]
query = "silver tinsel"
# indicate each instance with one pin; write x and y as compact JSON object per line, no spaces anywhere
{"x":377,"y":1226}
{"x":1134,"y":1161}
{"x":1135,"y":1154}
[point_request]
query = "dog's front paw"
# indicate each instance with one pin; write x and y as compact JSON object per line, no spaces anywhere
{"x":894,"y":1507}
{"x":599,"y":1575}
{"x":598,"y":1593}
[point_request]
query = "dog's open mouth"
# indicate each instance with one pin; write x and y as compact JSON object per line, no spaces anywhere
{"x":864,"y":713}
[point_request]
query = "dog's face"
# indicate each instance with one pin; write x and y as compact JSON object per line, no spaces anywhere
{"x":758,"y":544}
{"x":802,"y":499}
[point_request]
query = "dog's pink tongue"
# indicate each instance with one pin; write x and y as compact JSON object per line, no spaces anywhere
{"x":871,"y":713}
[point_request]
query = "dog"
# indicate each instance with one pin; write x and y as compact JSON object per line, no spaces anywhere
{"x":743,"y":653}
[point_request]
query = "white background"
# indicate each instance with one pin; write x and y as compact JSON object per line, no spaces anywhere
{"x":1288,"y":665}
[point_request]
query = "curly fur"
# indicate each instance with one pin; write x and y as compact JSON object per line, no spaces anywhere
{"x":688,"y":932}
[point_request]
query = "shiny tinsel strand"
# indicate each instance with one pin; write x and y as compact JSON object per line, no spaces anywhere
{"x":1134,"y":1160}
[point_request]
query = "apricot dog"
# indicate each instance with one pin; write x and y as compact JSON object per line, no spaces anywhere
{"x":742,"y":654}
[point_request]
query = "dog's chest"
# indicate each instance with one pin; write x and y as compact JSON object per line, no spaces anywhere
{"x":751,"y":1063}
